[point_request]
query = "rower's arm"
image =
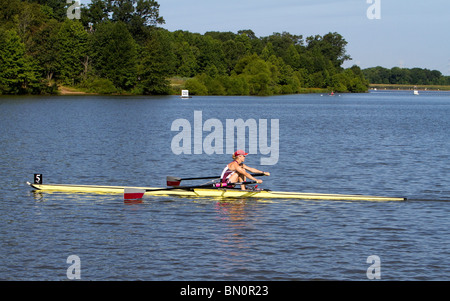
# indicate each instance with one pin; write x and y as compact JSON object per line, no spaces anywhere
{"x":242,"y":170}
{"x":254,"y":170}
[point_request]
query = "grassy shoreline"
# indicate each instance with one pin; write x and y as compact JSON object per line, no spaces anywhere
{"x":64,"y":90}
{"x":177,"y":84}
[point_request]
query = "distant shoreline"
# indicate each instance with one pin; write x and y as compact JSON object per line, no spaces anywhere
{"x":410,"y":87}
{"x":74,"y":91}
{"x":71,"y":91}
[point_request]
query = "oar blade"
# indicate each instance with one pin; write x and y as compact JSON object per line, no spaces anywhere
{"x":173,"y":181}
{"x":133,"y":193}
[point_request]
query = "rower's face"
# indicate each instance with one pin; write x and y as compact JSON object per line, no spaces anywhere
{"x":242,"y":158}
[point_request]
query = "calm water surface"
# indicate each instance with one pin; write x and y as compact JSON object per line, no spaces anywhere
{"x":382,"y":143}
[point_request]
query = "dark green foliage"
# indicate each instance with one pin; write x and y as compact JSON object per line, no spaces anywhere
{"x":242,"y":64}
{"x":114,"y":54}
{"x":116,"y":47}
{"x":404,"y":76}
{"x":72,"y":48}
{"x":155,"y":64}
{"x":18,"y":73}
{"x":41,"y":47}
{"x":99,"y":85}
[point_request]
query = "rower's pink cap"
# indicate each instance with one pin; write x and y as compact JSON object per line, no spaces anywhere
{"x":240,"y":153}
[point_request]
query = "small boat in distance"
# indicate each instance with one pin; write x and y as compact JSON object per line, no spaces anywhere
{"x":185,"y":94}
{"x":416,"y":92}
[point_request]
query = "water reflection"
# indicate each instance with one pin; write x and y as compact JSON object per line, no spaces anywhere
{"x":133,"y":202}
{"x":236,"y":219}
{"x":38,"y":195}
{"x":73,"y":197}
{"x":232,"y":211}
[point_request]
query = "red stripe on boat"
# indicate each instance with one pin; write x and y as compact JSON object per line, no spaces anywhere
{"x":173,"y":183}
{"x":133,"y":196}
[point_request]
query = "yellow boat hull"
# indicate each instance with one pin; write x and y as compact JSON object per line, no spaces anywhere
{"x":215,"y":193}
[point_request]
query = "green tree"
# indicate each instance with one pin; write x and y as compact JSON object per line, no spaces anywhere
{"x":45,"y":48}
{"x":283,"y":45}
{"x":114,"y":54}
{"x":292,"y":57}
{"x":156,"y":64}
{"x":267,"y":51}
{"x":72,"y":49}
{"x":58,"y":7}
{"x":233,"y":52}
{"x":96,"y":12}
{"x":11,"y":62}
{"x":332,"y":47}
{"x":8,"y":10}
{"x":17,"y":74}
{"x":258,"y":74}
{"x":144,"y":12}
{"x":210,"y":54}
{"x":139,"y":15}
{"x":213,"y":84}
{"x":196,"y":87}
{"x":221,"y":36}
{"x":236,"y":85}
{"x":287,"y":81}
{"x":29,"y":20}
{"x":186,"y":59}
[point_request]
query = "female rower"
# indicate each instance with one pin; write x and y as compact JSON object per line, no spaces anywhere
{"x":236,"y":171}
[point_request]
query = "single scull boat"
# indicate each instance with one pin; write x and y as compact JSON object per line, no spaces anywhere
{"x":210,"y":190}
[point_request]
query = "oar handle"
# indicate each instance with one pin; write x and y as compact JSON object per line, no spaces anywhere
{"x":261,"y":174}
{"x":204,"y":178}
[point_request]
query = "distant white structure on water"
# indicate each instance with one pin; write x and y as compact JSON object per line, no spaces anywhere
{"x":185,"y":94}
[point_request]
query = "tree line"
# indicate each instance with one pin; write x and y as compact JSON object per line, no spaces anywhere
{"x":405,"y":76}
{"x":117,"y":47}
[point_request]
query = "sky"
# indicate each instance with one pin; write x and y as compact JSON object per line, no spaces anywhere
{"x":399,"y":33}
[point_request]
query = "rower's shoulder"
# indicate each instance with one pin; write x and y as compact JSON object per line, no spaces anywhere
{"x":234,"y":163}
{"x":243,"y":165}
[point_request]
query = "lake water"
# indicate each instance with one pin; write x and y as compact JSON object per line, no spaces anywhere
{"x":383,"y":143}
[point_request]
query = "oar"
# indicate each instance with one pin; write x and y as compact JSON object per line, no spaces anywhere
{"x":175,"y":181}
{"x":136,"y":193}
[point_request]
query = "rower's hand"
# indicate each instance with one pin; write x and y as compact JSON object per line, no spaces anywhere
{"x":259,"y":181}
{"x":266,"y":173}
